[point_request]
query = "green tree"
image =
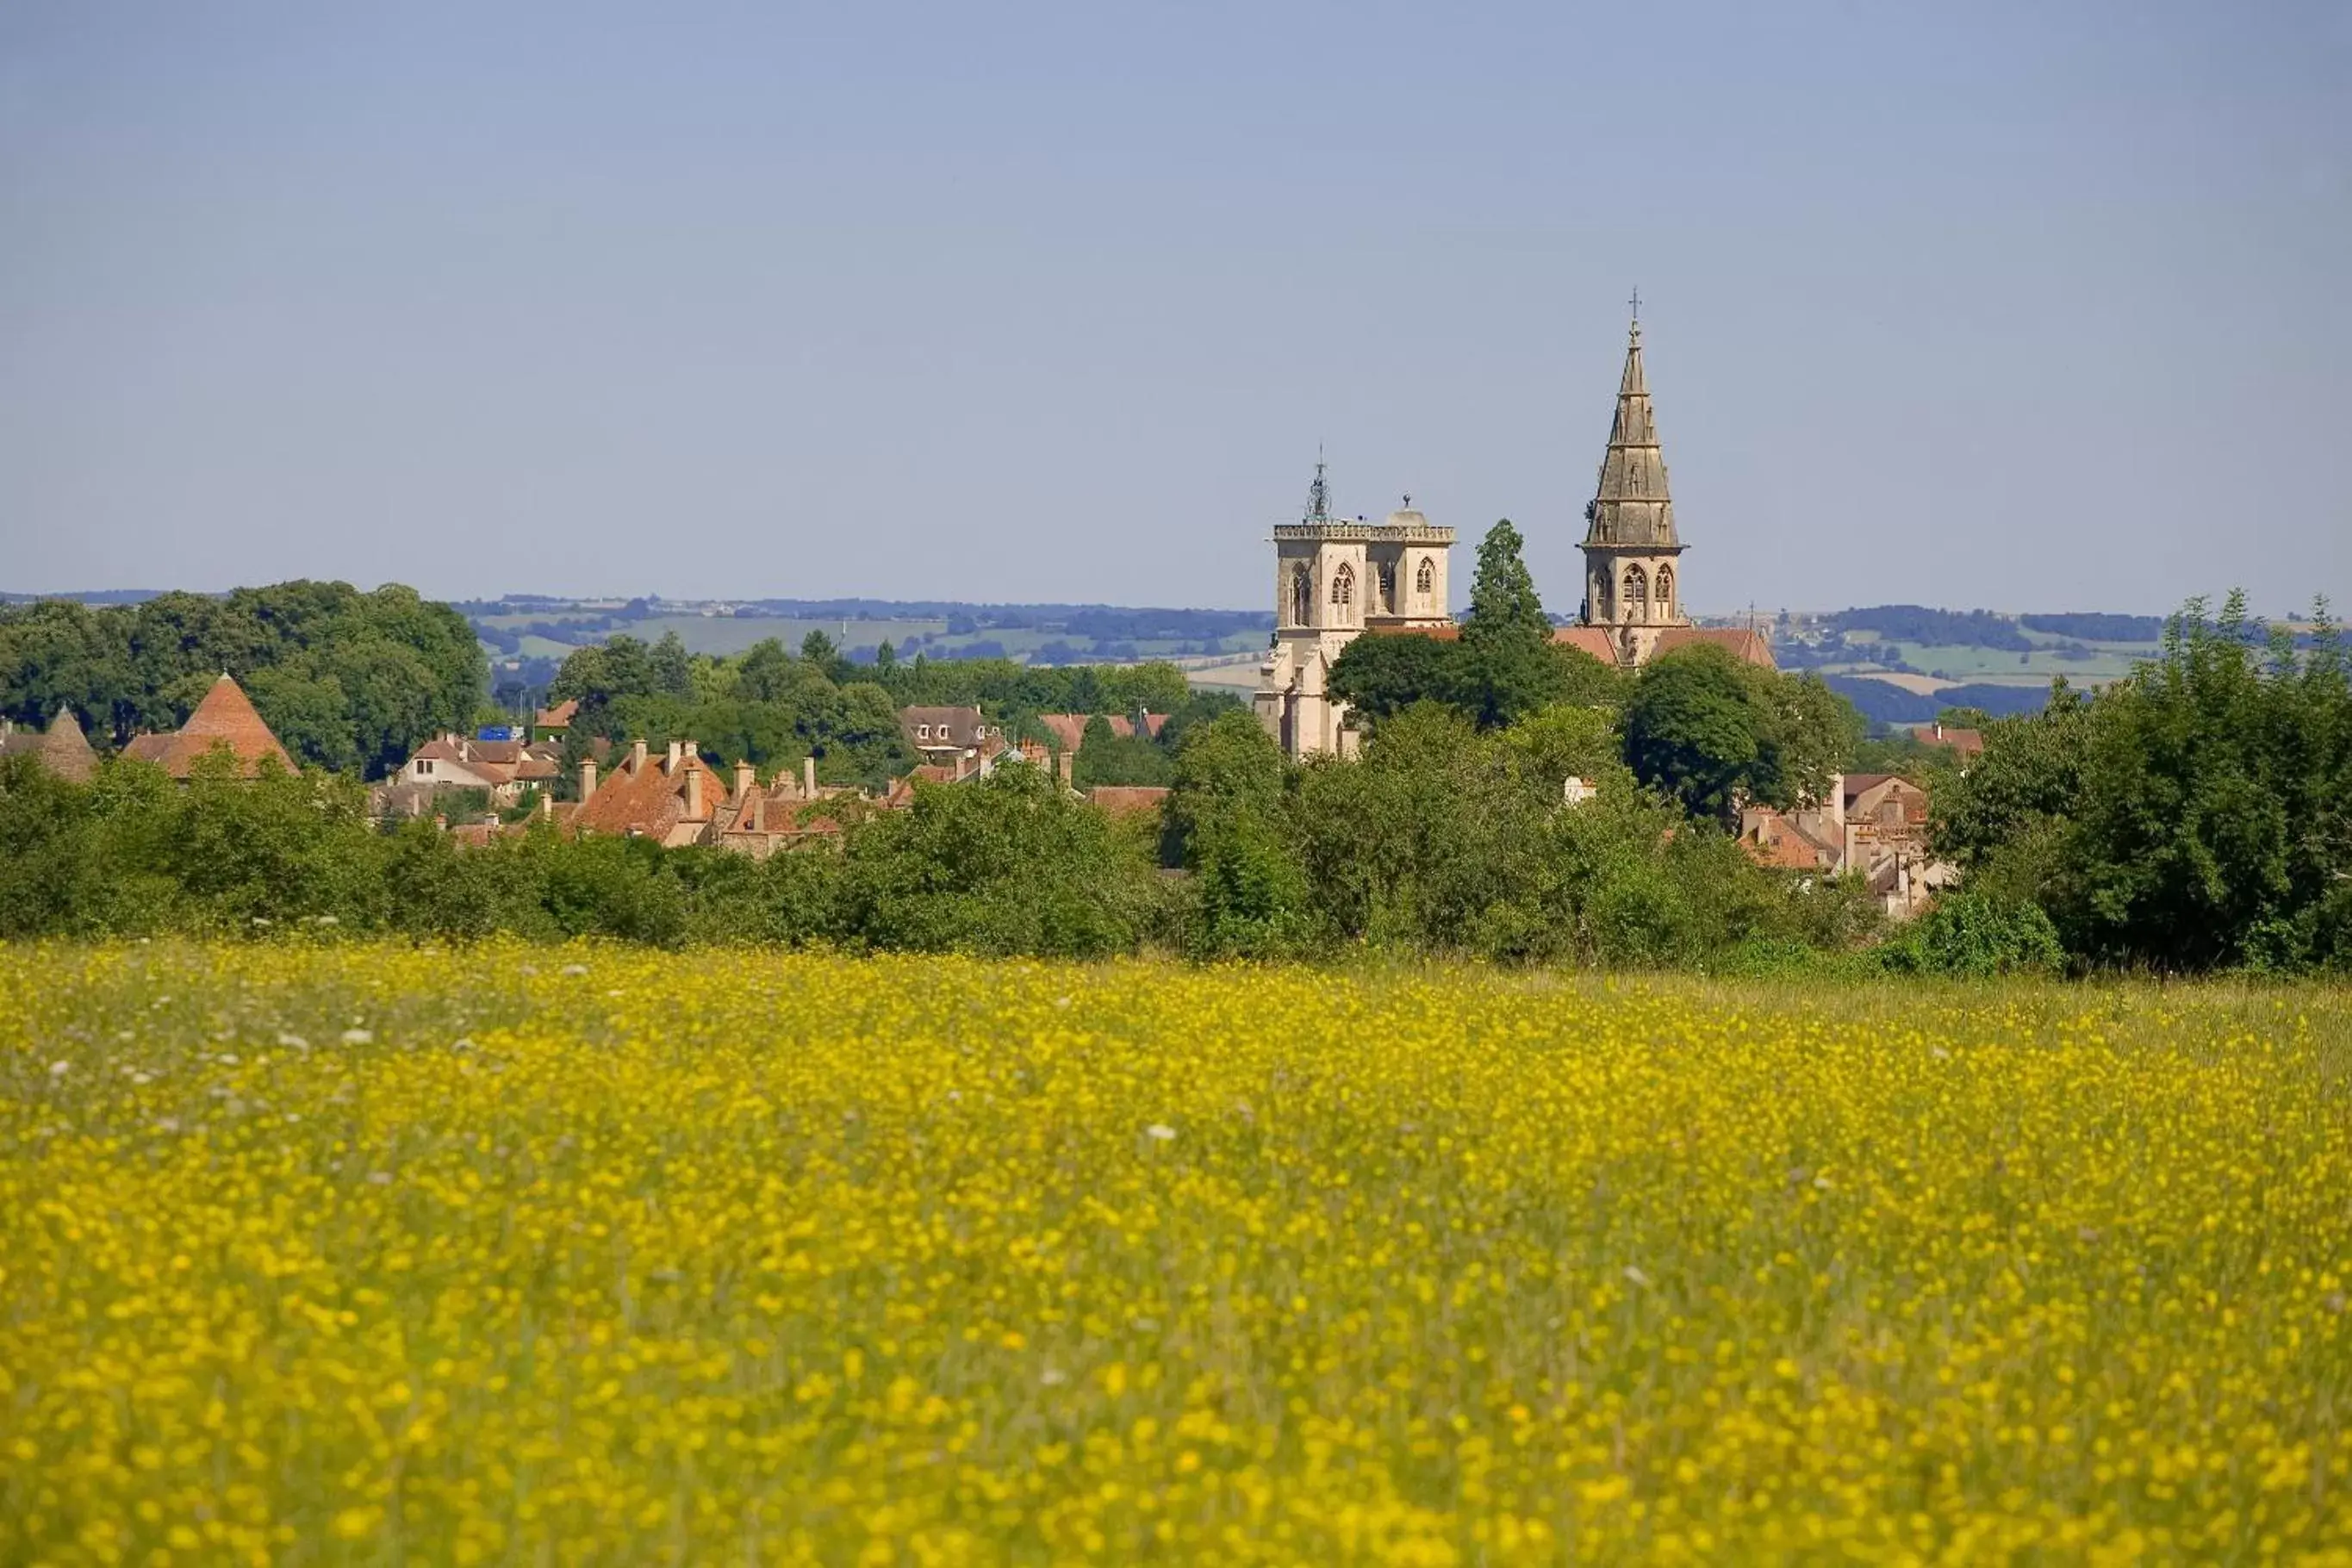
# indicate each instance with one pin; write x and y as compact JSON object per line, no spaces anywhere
{"x":1379,"y":675}
{"x":1692,"y":731}
{"x":1507,"y":667}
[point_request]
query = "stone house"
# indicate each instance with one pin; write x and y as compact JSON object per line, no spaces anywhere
{"x":1870,"y":825}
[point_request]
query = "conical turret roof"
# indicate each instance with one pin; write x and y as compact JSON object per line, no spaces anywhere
{"x":1630,"y":504}
{"x":63,"y":749}
{"x":225,"y":717}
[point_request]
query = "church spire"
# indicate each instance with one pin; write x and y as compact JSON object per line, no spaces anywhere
{"x":1629,"y":504}
{"x":1318,"y":494}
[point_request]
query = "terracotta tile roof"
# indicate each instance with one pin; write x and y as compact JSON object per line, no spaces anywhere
{"x":1593,"y":640}
{"x":1070,"y":729}
{"x":1966,"y":743}
{"x":62,"y":748}
{"x":557,"y":717}
{"x":1772,"y":839}
{"x":1128,"y":800}
{"x":1743,"y":643}
{"x":226,"y":716}
{"x":650,"y":799}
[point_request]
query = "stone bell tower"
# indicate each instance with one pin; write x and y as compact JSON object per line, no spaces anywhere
{"x":1336,"y":578}
{"x":1633,"y":590}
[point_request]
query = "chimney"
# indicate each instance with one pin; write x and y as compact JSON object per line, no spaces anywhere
{"x":808,"y":777}
{"x":694,"y":794}
{"x":1835,"y":805}
{"x":1063,"y":765}
{"x":636,"y":756}
{"x":547,"y":803}
{"x":587,"y":777}
{"x":743,"y":781}
{"x":674,"y":753}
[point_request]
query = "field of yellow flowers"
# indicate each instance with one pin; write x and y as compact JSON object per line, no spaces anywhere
{"x":372,"y":1254}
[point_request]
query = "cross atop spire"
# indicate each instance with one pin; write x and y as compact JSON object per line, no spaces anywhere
{"x":1630,"y":503}
{"x":1636,"y":303}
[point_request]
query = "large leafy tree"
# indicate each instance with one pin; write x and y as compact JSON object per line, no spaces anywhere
{"x":1714,"y":733}
{"x":1691,"y":730}
{"x":1382,"y":674}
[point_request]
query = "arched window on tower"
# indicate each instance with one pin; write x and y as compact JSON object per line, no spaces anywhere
{"x":1343,"y":595}
{"x":1425,"y":580}
{"x":1302,"y":598}
{"x":1665,"y":594}
{"x":1637,"y":594}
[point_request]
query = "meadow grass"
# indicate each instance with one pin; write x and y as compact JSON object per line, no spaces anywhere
{"x":379,"y":1255}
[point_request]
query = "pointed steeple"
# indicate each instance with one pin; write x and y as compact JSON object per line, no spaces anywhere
{"x":1629,"y":504}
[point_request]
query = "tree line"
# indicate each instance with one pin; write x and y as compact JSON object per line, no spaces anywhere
{"x":2197,"y":815}
{"x":349,"y":681}
{"x":771,"y":707}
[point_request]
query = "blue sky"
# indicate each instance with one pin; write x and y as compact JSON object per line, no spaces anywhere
{"x":2023,"y":306}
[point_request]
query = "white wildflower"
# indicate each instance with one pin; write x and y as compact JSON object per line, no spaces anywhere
{"x":1160,"y":1131}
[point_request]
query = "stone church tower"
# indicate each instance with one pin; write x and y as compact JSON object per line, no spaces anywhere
{"x":1336,"y":578}
{"x":1632,"y":590}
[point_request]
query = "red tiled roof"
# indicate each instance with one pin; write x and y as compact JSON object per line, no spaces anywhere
{"x":1743,"y":643}
{"x":1593,"y":640}
{"x":1070,"y":729}
{"x":1966,"y":743}
{"x":650,"y":800}
{"x":225,"y":717}
{"x":1777,"y":841}
{"x":557,"y":717}
{"x":1128,"y":800}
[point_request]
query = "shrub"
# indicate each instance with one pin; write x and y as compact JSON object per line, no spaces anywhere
{"x":1968,"y":933}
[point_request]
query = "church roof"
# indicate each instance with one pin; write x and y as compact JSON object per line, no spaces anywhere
{"x":1629,"y":504}
{"x":1742,"y":643}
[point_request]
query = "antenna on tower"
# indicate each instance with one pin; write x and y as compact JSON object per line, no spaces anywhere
{"x":1318,"y":494}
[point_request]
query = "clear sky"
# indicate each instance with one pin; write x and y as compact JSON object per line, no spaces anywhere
{"x":2026,"y":306}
